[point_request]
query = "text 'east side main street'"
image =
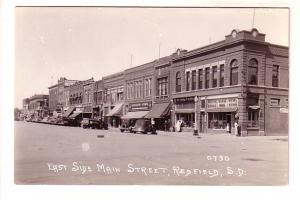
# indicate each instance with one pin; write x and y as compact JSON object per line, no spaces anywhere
{"x":79,"y":168}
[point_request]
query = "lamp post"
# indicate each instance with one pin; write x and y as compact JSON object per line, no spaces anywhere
{"x":196,"y":127}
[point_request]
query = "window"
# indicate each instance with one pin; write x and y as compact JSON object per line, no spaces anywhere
{"x":252,"y":72}
{"x":234,"y":73}
{"x":207,"y":72}
{"x":187,"y":81}
{"x":214,"y":76}
{"x":221,"y":75}
{"x":275,"y":76}
{"x":217,"y":120}
{"x":162,"y":86}
{"x":253,"y":118}
{"x":274,"y":102}
{"x":178,"y":82}
{"x":200,"y":81}
{"x":147,"y":87}
{"x":193,"y":80}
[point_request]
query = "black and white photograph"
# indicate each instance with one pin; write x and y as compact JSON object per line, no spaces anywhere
{"x":159,"y":96}
{"x":176,"y":96}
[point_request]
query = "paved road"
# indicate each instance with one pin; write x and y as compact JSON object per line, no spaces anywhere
{"x":47,"y":154}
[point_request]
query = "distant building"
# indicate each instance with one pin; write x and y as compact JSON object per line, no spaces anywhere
{"x":38,"y":106}
{"x":98,"y":99}
{"x":81,"y":97}
{"x":59,"y":95}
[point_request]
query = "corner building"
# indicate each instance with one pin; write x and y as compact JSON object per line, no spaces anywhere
{"x":241,"y":79}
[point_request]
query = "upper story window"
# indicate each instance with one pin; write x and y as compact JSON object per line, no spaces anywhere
{"x":148,"y":87}
{"x":138,"y":88}
{"x":162,"y":86}
{"x":200,"y":77}
{"x":207,"y":73}
{"x":188,"y":80}
{"x":194,"y":80}
{"x":178,"y":82}
{"x":214,"y":76}
{"x":234,"y":72}
{"x":221,"y":83}
{"x":275,"y":76}
{"x":252,"y":72}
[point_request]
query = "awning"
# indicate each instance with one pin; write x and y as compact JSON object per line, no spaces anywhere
{"x":135,"y":115}
{"x":159,"y":110}
{"x":116,"y":111}
{"x":74,"y":115}
{"x":254,"y":107}
{"x":69,"y":111}
{"x":222,"y":110}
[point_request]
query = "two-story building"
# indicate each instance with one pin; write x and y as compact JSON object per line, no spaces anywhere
{"x":241,"y":79}
{"x":139,"y":90}
{"x":113,"y":102}
{"x":98,"y":99}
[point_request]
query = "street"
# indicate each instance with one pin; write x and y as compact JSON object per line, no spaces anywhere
{"x":49,"y":154}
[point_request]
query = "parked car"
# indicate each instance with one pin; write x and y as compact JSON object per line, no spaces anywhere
{"x":143,"y":126}
{"x":93,"y":123}
{"x":127,"y":125}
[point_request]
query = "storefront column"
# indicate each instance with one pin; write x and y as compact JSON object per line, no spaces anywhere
{"x":261,"y":116}
{"x":243,"y":115}
{"x":196,"y":117}
{"x":173,"y":116}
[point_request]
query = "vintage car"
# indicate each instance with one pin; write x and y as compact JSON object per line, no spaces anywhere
{"x":127,"y":125}
{"x":93,"y":123}
{"x":143,"y":126}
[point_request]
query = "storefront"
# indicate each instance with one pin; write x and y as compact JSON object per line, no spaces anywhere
{"x":221,"y":114}
{"x":160,"y":114}
{"x":137,"y":110}
{"x":184,"y":109}
{"x":114,"y":115}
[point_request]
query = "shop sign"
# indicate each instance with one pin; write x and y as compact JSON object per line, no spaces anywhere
{"x":222,"y":103}
{"x":184,"y":99}
{"x":140,"y":106}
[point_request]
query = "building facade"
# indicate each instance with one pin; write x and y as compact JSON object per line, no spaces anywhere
{"x":38,"y":106}
{"x":98,"y":99}
{"x":59,"y":96}
{"x":80,"y":97}
{"x":113,"y":100}
{"x":242,"y":79}
{"x":139,"y":88}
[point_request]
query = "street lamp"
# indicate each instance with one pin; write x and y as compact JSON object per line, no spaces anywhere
{"x":196,"y":128}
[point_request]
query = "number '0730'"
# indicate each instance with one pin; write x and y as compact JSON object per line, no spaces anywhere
{"x":218,"y":158}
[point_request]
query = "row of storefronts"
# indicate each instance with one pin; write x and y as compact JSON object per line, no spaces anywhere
{"x":240,"y":81}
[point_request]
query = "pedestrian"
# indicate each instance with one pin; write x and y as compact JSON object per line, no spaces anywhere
{"x":236,"y":125}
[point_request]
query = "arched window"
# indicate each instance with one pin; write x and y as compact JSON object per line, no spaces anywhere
{"x":178,"y":82}
{"x":252,"y":71}
{"x":234,"y":72}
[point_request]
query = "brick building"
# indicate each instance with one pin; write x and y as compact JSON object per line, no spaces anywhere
{"x":98,"y":99}
{"x":113,"y":102}
{"x":139,"y":90}
{"x":38,"y":106}
{"x":80,"y":99}
{"x":59,"y":96}
{"x":240,"y":79}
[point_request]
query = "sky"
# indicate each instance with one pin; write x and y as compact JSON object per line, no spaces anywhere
{"x":83,"y":42}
